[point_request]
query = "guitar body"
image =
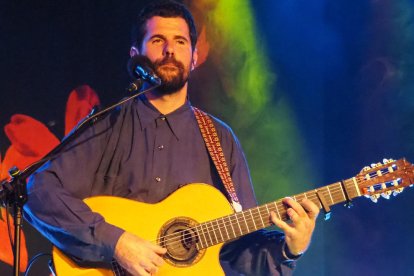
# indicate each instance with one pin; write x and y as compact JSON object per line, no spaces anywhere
{"x":195,"y":221}
{"x":193,"y":203}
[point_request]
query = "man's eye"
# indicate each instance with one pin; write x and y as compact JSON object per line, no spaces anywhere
{"x":181,"y":42}
{"x":156,"y":40}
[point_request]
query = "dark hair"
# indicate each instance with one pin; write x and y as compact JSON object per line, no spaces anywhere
{"x":166,"y":9}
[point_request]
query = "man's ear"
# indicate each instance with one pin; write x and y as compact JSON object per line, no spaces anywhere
{"x":133,"y":51}
{"x":195,"y":58}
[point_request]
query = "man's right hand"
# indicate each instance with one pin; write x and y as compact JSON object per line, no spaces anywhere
{"x":138,"y":256}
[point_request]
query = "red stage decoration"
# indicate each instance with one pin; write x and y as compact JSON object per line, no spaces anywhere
{"x":30,"y":141}
{"x":80,"y":102}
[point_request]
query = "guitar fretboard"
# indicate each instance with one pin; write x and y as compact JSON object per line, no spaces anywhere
{"x":241,"y":223}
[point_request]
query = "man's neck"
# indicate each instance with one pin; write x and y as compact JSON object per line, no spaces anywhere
{"x":168,"y":103}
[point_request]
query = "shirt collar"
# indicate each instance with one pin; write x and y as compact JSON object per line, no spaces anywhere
{"x":177,"y":120}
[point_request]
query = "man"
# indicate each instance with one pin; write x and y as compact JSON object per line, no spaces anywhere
{"x":145,"y":151}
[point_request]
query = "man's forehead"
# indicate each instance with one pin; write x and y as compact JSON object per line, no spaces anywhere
{"x":159,"y":25}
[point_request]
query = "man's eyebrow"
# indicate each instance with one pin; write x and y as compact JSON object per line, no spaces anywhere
{"x":180,"y":37}
{"x":157,"y":36}
{"x":163,"y":37}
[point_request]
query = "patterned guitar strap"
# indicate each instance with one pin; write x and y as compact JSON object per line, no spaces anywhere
{"x":209,"y":133}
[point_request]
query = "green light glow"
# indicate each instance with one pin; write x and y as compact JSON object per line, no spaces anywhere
{"x":266,"y":129}
{"x":243,"y":56}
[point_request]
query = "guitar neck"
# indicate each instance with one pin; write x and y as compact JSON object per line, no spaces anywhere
{"x":241,"y":223}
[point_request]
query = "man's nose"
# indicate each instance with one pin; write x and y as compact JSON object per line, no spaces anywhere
{"x":168,"y":49}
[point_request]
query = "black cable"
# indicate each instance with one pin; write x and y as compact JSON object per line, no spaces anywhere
{"x":34,"y":259}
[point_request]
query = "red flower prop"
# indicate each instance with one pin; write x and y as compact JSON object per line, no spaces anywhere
{"x":6,"y":254}
{"x":30,"y":141}
{"x":81,"y":101}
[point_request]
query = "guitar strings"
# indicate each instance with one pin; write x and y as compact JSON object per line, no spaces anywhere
{"x":176,"y":237}
{"x":181,"y":236}
{"x":332,"y":190}
{"x":186,"y":235}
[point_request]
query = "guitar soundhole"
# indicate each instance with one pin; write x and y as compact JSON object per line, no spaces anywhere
{"x":180,"y":238}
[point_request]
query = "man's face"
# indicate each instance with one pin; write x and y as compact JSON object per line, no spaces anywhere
{"x":167,"y":44}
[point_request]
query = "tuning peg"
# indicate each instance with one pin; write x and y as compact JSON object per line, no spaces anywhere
{"x":374,"y":198}
{"x":366,"y":168}
{"x":386,"y":194}
{"x":373,"y":165}
{"x":397,"y":191}
{"x":386,"y":161}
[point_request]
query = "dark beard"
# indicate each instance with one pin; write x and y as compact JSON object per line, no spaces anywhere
{"x":171,"y":85}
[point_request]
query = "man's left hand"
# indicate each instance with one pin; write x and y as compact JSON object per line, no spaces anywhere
{"x":298,"y":231}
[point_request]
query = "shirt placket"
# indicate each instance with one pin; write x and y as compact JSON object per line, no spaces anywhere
{"x":163,"y":133}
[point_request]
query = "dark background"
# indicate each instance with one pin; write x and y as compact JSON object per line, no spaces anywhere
{"x":344,"y":67}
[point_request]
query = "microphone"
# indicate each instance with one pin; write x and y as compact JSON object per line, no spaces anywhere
{"x":140,"y":67}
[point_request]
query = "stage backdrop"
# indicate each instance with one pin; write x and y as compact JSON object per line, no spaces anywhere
{"x":315,"y":90}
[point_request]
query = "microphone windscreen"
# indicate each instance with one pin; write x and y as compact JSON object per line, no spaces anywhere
{"x":141,"y":61}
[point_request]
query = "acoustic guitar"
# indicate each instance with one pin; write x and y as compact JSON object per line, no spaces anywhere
{"x":195,"y":221}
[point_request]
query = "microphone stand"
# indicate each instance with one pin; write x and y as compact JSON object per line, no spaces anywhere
{"x":13,"y":192}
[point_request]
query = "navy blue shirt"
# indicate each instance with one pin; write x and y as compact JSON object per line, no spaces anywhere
{"x":138,"y":153}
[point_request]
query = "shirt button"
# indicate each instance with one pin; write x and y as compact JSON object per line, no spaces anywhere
{"x":158,"y":179}
{"x":163,"y":118}
{"x":160,"y":147}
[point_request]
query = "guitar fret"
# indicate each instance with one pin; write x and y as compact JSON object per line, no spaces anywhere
{"x":225,"y":228}
{"x":342,"y":191}
{"x":214,"y":232}
{"x":200,"y":236}
{"x":277,"y":210}
{"x":316,"y":200}
{"x":219,"y":230}
{"x":260,"y":216}
{"x":330,"y":195}
{"x":254,"y":223}
{"x":238,"y":223}
{"x":356,"y":186}
{"x":267,"y":209}
{"x":209,"y":236}
{"x":245,"y":222}
{"x":349,"y":187}
{"x":232,"y":228}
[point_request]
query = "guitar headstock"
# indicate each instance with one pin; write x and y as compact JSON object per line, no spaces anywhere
{"x":385,"y":179}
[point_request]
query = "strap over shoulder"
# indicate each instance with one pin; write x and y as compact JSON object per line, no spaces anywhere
{"x":209,"y":133}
